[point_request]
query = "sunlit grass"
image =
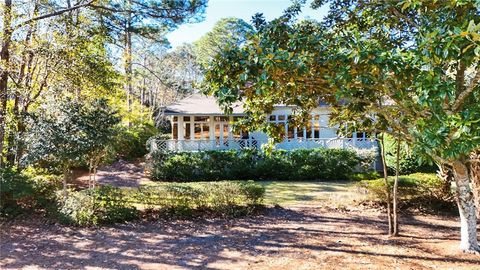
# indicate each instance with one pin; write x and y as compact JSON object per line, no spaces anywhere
{"x":288,"y":193}
{"x":302,"y":193}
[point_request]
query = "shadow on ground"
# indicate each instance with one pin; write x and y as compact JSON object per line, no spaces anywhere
{"x":279,"y":239}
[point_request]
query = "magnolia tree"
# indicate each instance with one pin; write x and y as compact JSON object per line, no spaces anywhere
{"x":407,"y":67}
{"x":67,"y":132}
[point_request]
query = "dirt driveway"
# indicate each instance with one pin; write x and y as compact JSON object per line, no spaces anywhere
{"x":301,"y":238}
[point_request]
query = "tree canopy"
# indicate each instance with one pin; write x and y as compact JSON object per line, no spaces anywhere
{"x":410,"y":66}
{"x":225,"y":32}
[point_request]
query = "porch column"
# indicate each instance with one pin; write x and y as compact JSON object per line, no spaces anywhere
{"x":180,"y":128}
{"x":354,"y":138}
{"x":192,"y":127}
{"x":211,"y":126}
{"x":230,"y":130}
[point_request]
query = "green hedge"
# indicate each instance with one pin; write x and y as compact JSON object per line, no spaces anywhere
{"x":301,"y":164}
{"x":423,"y":191}
{"x":107,"y":204}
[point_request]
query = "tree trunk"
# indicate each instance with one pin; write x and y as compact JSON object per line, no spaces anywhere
{"x":5,"y":60}
{"x":466,"y":208}
{"x":395,"y":191}
{"x":475,"y":177}
{"x":12,"y":137}
{"x":128,"y":58}
{"x":387,"y":186}
{"x":446,"y":175}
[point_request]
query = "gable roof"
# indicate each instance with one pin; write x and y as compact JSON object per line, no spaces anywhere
{"x":200,"y":104}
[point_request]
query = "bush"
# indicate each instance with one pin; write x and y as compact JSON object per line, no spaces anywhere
{"x":105,"y":204}
{"x":21,"y":193}
{"x":421,"y":191}
{"x":409,"y":162}
{"x":131,"y":142}
{"x":226,"y":198}
{"x":301,"y":164}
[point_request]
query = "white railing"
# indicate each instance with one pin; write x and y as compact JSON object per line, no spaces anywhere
{"x":237,"y":144}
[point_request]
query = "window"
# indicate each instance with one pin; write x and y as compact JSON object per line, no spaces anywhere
{"x":361,"y":135}
{"x":225,"y":132}
{"x":220,"y":118}
{"x":201,"y":118}
{"x":186,"y":119}
{"x":273,"y":118}
{"x":281,"y":118}
{"x":202,"y":131}
{"x":308,"y":129}
{"x":175,"y":119}
{"x":205,"y":131}
{"x":175,"y":131}
{"x":198,"y":131}
{"x":187,"y":131}
{"x":300,"y":132}
{"x":290,"y":133}
{"x":316,"y":126}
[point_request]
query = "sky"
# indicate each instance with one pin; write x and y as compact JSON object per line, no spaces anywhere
{"x":243,"y":9}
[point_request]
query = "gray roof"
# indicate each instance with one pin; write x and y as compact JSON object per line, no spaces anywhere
{"x":200,"y":104}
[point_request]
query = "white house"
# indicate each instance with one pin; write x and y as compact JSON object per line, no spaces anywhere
{"x":198,"y":123}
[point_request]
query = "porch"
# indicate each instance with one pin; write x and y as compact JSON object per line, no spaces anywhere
{"x":238,"y":144}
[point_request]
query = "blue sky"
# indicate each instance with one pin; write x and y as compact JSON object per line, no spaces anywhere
{"x":243,"y":9}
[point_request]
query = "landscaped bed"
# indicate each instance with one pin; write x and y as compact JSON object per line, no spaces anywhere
{"x":317,"y":225}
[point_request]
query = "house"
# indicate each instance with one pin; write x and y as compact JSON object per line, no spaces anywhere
{"x":198,"y":123}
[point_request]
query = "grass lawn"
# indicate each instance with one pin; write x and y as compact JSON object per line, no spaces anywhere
{"x":289,"y":193}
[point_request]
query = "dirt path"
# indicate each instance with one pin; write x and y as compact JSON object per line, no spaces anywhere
{"x":120,"y":174}
{"x":308,"y":238}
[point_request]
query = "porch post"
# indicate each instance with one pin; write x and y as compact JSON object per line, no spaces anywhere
{"x":230,"y":130}
{"x":192,"y":127}
{"x":180,"y":128}
{"x":211,"y":126}
{"x":354,"y":138}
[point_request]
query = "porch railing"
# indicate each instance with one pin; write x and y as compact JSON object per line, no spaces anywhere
{"x":237,"y":144}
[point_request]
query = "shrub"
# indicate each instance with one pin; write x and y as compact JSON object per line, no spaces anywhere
{"x":131,"y":142}
{"x":22,"y":193}
{"x":422,"y":191}
{"x":301,"y":164}
{"x":409,"y":162}
{"x":105,"y":204}
{"x":226,"y":198}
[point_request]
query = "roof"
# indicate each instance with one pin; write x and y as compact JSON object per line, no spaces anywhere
{"x":200,"y":104}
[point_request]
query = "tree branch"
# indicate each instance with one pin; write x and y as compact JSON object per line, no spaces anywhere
{"x":463,"y":95}
{"x":55,"y":13}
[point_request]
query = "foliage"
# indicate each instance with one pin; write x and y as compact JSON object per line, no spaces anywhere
{"x":49,"y":50}
{"x":225,"y":32}
{"x":186,"y":199}
{"x":69,"y":131}
{"x":314,"y":164}
{"x":23,"y":194}
{"x":409,"y":161}
{"x":131,"y":142}
{"x":105,"y":204}
{"x":420,"y":191}
{"x":410,"y":68}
